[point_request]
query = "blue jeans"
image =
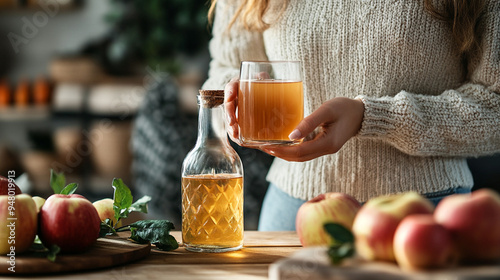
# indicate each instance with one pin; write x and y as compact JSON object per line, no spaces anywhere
{"x":279,"y":209}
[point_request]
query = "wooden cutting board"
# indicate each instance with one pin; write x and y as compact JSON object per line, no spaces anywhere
{"x":106,"y":252}
{"x":313,"y":263}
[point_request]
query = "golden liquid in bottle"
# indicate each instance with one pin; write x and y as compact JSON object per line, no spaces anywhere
{"x":212,"y":211}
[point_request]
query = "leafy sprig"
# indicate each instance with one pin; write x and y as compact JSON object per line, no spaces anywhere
{"x":342,"y":246}
{"x":58,"y":185}
{"x":58,"y":182}
{"x":156,"y":232}
{"x":123,"y":206}
{"x":49,"y":252}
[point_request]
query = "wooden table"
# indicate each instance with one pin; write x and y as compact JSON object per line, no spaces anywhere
{"x":252,"y":262}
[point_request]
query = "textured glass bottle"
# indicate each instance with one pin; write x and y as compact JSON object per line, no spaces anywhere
{"x":212,"y":184}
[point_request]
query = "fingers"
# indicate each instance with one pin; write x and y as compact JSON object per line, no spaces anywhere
{"x":339,"y":120}
{"x":230,"y":104}
{"x":233,"y":134}
{"x":262,"y":76}
{"x":231,"y":100}
{"x":231,"y":90}
{"x":231,"y":112}
{"x":305,"y":151}
{"x":321,"y":116}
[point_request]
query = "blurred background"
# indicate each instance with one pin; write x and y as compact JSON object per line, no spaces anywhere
{"x":100,"y":89}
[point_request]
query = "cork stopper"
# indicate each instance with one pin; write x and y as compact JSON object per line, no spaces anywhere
{"x":211,"y":98}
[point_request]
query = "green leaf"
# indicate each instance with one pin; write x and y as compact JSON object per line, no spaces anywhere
{"x":37,"y":240}
{"x":57,"y":181}
{"x":167,"y":244}
{"x":140,"y":205}
{"x":106,"y":228}
{"x":339,"y":233}
{"x":156,"y":232}
{"x":343,"y":242}
{"x":39,"y":250}
{"x":337,"y":253}
{"x":53,"y":251}
{"x":37,"y":245}
{"x":122,"y":199}
{"x":69,"y":189}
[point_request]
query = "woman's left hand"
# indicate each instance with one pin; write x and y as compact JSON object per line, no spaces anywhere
{"x":339,"y":119}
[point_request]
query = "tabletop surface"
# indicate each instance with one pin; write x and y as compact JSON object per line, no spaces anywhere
{"x":252,"y":262}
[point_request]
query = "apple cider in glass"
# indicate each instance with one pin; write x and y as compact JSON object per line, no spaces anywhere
{"x":269,"y":110}
{"x":212,"y":211}
{"x":270,"y":102}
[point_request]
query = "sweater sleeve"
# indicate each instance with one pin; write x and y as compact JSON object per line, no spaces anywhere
{"x":459,"y":122}
{"x":228,"y":47}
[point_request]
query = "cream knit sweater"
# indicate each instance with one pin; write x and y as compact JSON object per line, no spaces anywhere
{"x":424,"y":110}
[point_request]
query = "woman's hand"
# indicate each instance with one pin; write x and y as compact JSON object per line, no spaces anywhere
{"x":230,"y":104}
{"x":339,"y":119}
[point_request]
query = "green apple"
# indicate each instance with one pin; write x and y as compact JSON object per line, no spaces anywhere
{"x":105,"y":210}
{"x":325,"y":208}
{"x":39,"y":201}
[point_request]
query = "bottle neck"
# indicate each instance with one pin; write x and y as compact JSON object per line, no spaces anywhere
{"x":211,"y":128}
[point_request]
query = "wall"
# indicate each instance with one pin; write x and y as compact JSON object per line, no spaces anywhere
{"x":63,"y":34}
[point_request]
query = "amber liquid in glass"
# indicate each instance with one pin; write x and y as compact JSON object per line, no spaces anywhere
{"x":269,"y":110}
{"x":212,"y":211}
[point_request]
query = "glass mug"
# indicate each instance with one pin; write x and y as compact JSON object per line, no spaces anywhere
{"x":270,"y":102}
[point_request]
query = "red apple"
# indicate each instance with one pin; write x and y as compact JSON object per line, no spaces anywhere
{"x":421,"y":243}
{"x":70,"y":222}
{"x":329,"y":207}
{"x":18,"y":225}
{"x":474,"y":221}
{"x":5,"y":186}
{"x":376,"y":223}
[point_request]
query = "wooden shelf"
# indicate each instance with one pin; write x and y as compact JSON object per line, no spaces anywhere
{"x":29,"y":113}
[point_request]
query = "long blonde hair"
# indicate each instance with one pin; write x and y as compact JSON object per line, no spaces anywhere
{"x":461,"y":15}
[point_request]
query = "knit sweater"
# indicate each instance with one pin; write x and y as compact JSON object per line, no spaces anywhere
{"x":426,"y":109}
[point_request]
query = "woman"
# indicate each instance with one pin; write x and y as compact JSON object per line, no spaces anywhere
{"x":398,"y":93}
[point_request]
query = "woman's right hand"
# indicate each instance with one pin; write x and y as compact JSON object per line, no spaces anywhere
{"x":230,"y":104}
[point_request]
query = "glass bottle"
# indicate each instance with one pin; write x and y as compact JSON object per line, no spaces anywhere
{"x":212,"y":184}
